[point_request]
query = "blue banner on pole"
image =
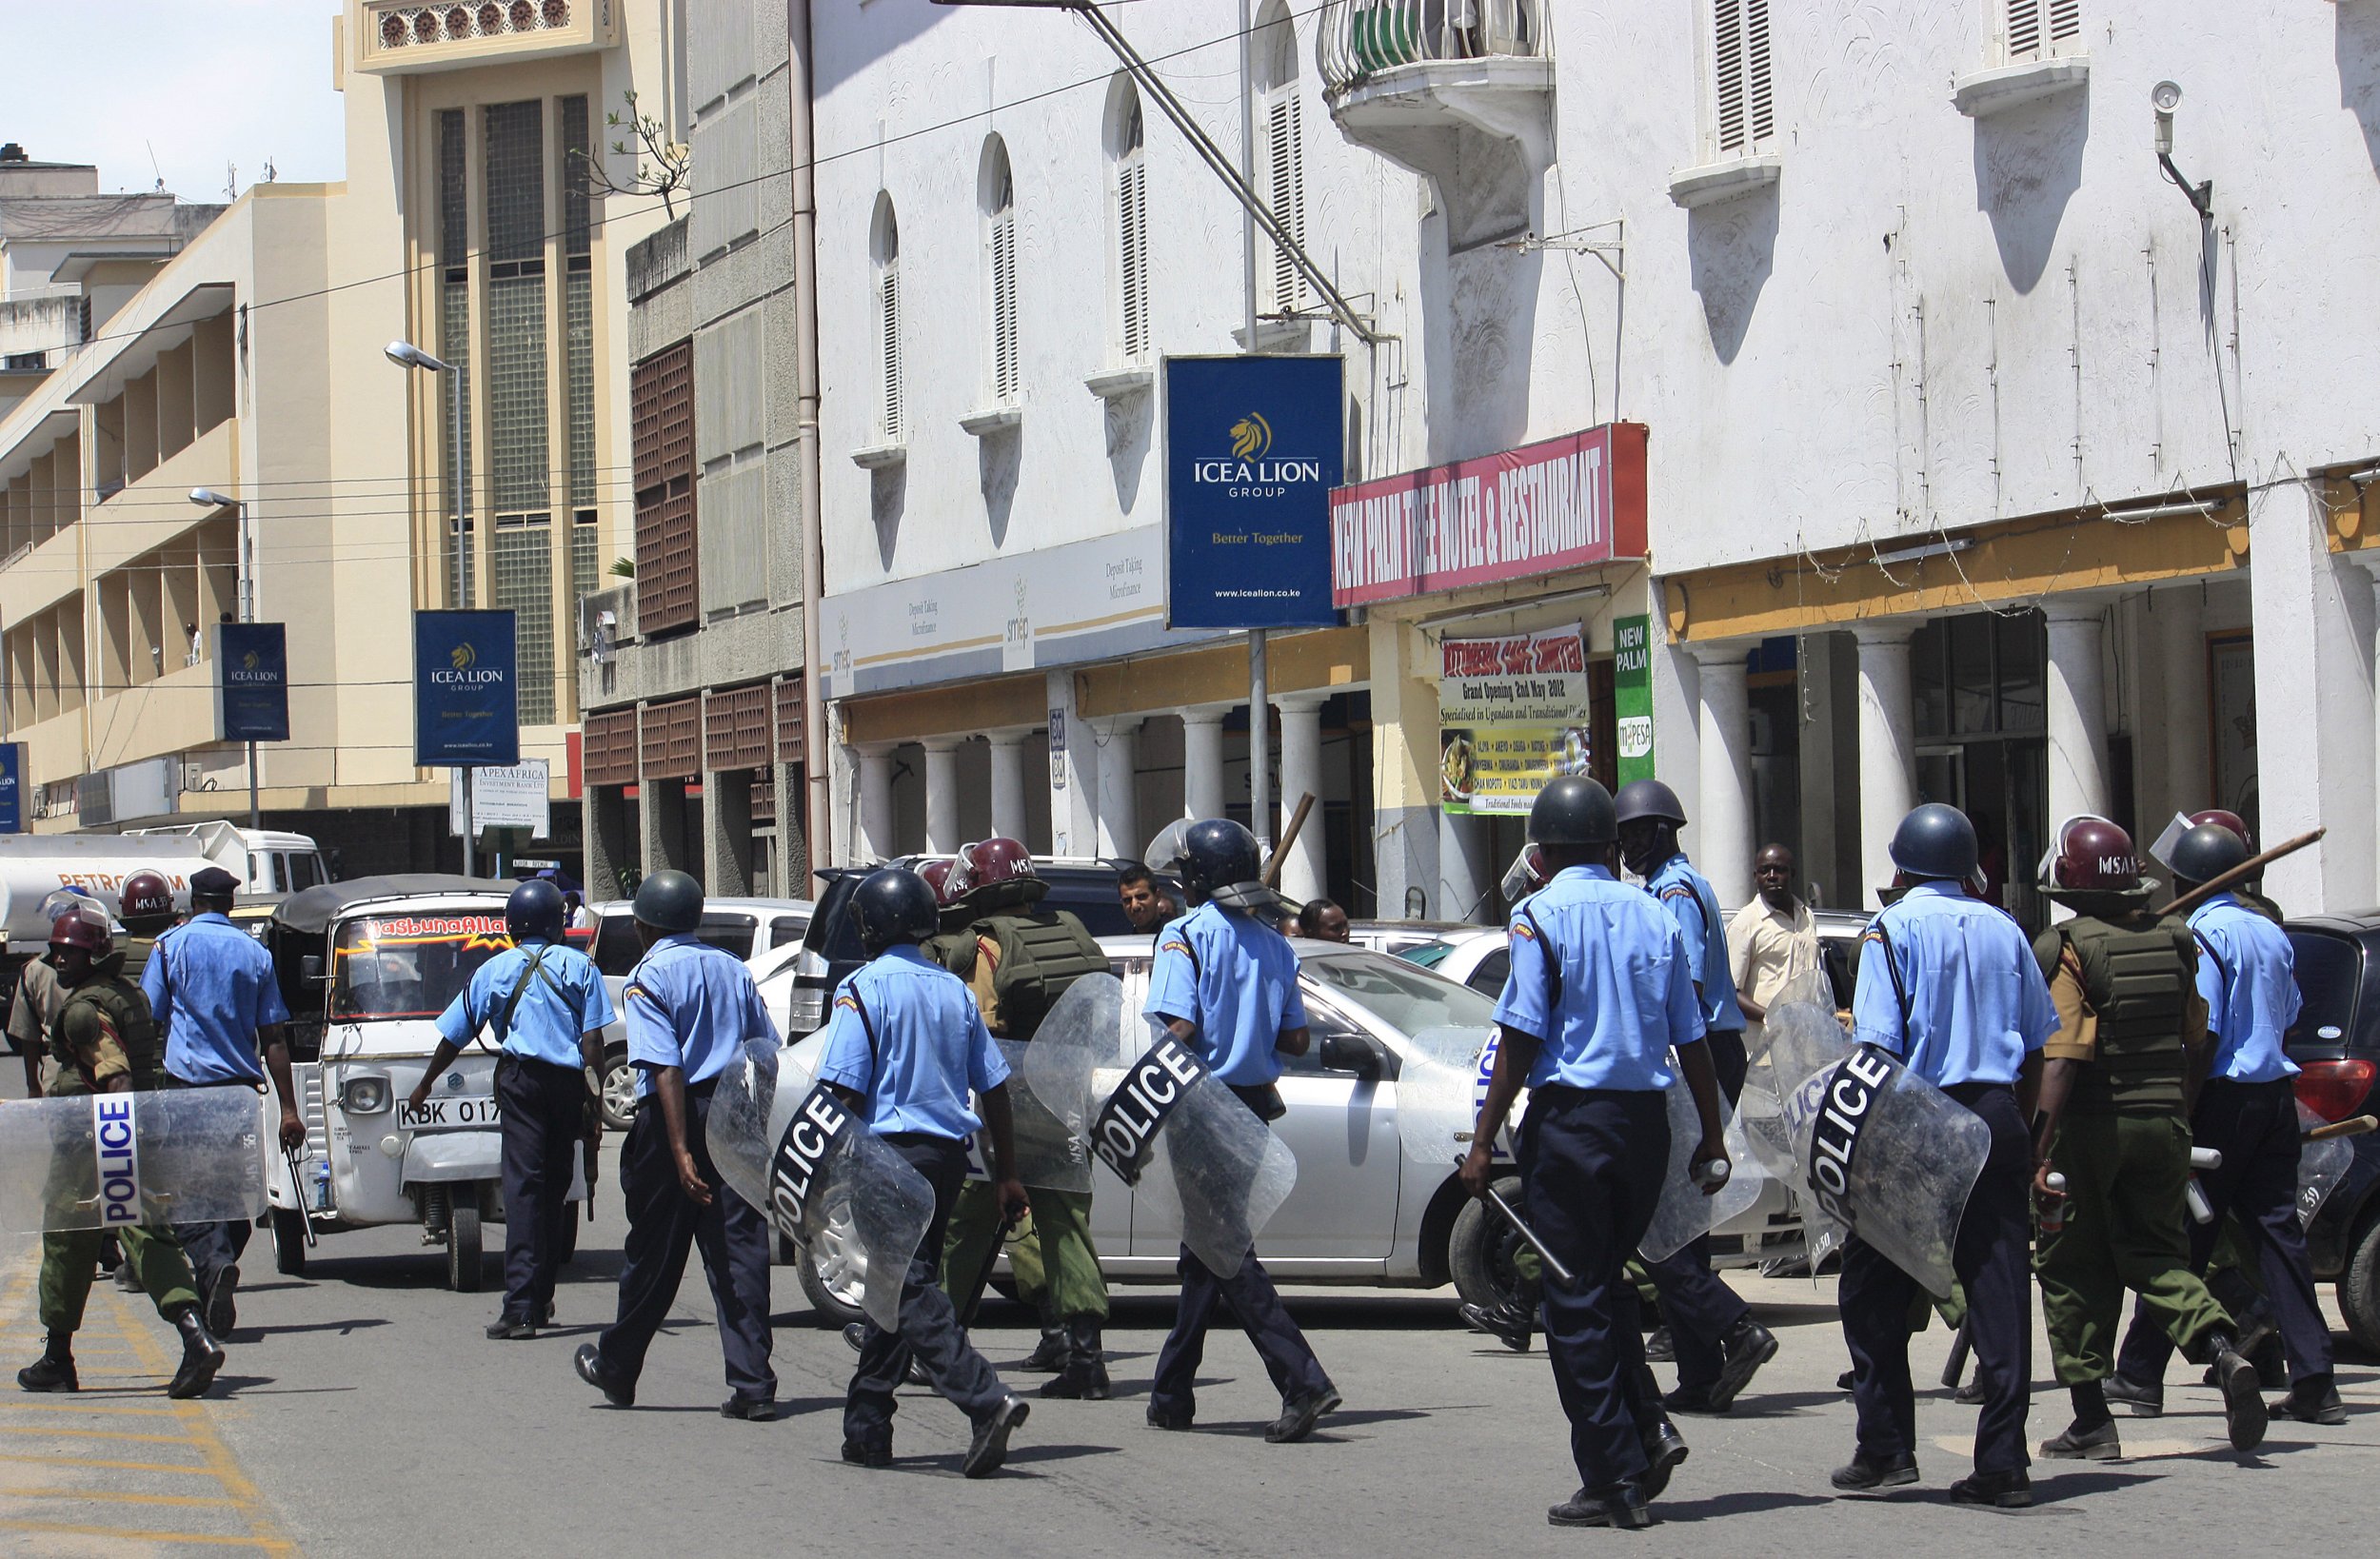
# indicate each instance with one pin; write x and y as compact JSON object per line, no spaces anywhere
{"x":465,"y":701}
{"x":251,"y":681}
{"x":13,"y":787}
{"x":1252,"y":448}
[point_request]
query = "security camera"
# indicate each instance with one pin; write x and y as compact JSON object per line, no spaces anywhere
{"x":2165,"y":97}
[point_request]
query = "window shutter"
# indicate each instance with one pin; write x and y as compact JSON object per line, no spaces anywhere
{"x":2064,"y":20}
{"x":1132,"y":254}
{"x":889,"y":325}
{"x":1007,"y":371}
{"x":1288,"y":197}
{"x":1739,"y":74}
{"x":2034,"y":26}
{"x":660,"y":398}
{"x":2024,"y":27}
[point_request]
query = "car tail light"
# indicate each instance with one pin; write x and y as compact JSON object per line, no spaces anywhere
{"x":2334,"y":1089}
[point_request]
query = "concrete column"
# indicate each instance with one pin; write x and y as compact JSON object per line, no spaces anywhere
{"x":1301,"y":775}
{"x":2314,"y":724}
{"x":1008,"y":781}
{"x":876,"y":802}
{"x":942,"y":793}
{"x":1888,"y":750}
{"x":605,"y":829}
{"x":1464,"y":873}
{"x":1074,"y":774}
{"x":2369,"y":563}
{"x":2078,"y":709}
{"x":1721,"y":839}
{"x":1202,"y":761}
{"x":2178,"y":628}
{"x":1118,"y":771}
{"x":726,"y":824}
{"x":1403,"y":846}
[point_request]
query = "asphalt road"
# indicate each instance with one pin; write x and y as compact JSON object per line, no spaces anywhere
{"x":363,"y":1414}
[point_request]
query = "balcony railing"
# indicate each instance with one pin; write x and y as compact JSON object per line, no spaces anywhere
{"x":1359,"y":39}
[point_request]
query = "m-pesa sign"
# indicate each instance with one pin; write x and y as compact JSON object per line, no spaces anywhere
{"x":1567,"y":502}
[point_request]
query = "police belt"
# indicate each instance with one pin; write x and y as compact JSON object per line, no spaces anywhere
{"x":1124,"y":1132}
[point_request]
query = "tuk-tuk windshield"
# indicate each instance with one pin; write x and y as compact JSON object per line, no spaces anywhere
{"x":409,"y":965}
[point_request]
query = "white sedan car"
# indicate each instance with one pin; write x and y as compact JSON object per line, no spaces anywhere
{"x":1363,"y":1212}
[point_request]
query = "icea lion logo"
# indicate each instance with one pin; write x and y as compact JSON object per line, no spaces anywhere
{"x":1251,"y":437}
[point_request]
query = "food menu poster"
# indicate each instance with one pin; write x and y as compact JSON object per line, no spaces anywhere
{"x":1512,"y":716}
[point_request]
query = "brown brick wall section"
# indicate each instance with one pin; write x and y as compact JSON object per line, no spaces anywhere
{"x":735,"y":728}
{"x":673,"y":740}
{"x":661,"y":417}
{"x":610,"y":748}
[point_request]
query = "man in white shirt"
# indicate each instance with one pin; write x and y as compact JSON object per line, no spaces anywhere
{"x":1771,"y":940}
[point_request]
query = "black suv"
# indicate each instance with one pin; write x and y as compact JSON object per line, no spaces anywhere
{"x":2335,"y":1043}
{"x":830,"y":949}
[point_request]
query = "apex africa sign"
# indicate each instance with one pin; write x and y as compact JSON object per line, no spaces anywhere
{"x":1568,"y":502}
{"x":1252,"y":448}
{"x":466,"y":702}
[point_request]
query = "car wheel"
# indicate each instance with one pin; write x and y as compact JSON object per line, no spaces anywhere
{"x":2359,"y":1286}
{"x":289,"y":1242}
{"x":1481,"y":1248}
{"x":462,"y":1250}
{"x":619,"y":1090}
{"x":834,"y":1272}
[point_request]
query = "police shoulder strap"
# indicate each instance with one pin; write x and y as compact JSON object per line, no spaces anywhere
{"x":1892,"y":967}
{"x":2222,"y":970}
{"x":1553,"y":961}
{"x":536,"y":970}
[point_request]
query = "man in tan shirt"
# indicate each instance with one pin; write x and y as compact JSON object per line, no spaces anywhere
{"x":1771,"y":940}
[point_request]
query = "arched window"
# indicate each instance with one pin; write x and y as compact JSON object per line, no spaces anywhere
{"x":884,"y":245}
{"x":1125,"y":148}
{"x":997,"y":193}
{"x":1282,"y":180}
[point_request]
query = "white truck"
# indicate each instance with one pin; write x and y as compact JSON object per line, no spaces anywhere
{"x":34,"y":866}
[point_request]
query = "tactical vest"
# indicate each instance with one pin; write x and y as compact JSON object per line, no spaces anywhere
{"x":128,"y":1011}
{"x":1040,"y":955}
{"x":2138,"y":981}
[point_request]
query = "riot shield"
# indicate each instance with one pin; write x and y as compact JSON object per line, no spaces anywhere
{"x":2320,"y":1167}
{"x":786,"y":1145}
{"x":1203,"y":1165}
{"x":113,"y":1160}
{"x":1684,"y":1215}
{"x":1440,"y":1086}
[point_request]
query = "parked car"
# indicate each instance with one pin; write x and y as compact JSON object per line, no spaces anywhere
{"x":1363,"y":1211}
{"x":2335,"y":1043}
{"x":1478,"y":957}
{"x":749,"y":928}
{"x":830,"y":949}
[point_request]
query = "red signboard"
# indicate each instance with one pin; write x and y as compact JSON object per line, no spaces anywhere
{"x":1567,"y":502}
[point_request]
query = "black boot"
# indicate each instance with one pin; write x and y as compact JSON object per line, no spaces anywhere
{"x":2244,"y":1412}
{"x":54,"y":1369}
{"x":1085,"y":1374}
{"x":1049,"y":1354}
{"x":200,"y":1355}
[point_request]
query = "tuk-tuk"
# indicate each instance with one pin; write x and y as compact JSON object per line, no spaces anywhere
{"x":366,"y":967}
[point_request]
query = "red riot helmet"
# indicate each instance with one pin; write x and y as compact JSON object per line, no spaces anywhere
{"x":995,"y":872}
{"x":2232,"y":820}
{"x":84,"y":928}
{"x":937,"y":875}
{"x":2093,"y":855}
{"x":147,"y":897}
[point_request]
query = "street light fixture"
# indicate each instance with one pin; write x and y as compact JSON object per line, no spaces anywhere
{"x":406,"y":355}
{"x":207,"y":498}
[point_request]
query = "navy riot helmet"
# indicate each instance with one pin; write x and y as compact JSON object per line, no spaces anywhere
{"x":1573,"y":810}
{"x":893,"y":905}
{"x":1936,"y":842}
{"x":535,"y":912}
{"x":670,"y":902}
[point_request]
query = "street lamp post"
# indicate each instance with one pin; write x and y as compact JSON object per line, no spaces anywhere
{"x":207,"y":498}
{"x":406,"y":355}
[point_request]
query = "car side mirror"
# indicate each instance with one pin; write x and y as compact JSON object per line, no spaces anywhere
{"x":1357,"y":1052}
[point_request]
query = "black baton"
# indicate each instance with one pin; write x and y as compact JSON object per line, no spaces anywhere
{"x":982,"y":1277}
{"x":297,"y":1183}
{"x":1955,"y":1368}
{"x":1553,"y":1267}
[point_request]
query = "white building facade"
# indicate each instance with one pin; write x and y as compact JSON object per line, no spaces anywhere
{"x":1983,"y":460}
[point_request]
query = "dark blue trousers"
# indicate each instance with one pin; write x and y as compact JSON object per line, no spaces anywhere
{"x":2255,"y":1126}
{"x":1698,"y":1309}
{"x":1591,"y":1167}
{"x":212,"y":1246}
{"x":544,"y":1121}
{"x":1992,"y":1256}
{"x":929,"y":1325}
{"x":1254,"y":1303}
{"x":663,"y":1225}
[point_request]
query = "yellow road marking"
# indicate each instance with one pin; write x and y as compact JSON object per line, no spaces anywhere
{"x":85,"y":1407}
{"x":115,"y":1495}
{"x":99,"y":1434}
{"x":127,"y":1534}
{"x":111,"y":1466}
{"x":212,"y":1450}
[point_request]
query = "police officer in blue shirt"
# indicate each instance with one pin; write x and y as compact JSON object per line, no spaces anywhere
{"x":1718,"y":1345}
{"x":1597,"y":1019}
{"x":1949,"y":985}
{"x":2248,"y":1111}
{"x":1225,"y":983}
{"x":905,"y":1044}
{"x":211,"y":986}
{"x":546,"y":1003}
{"x":689,"y":1009}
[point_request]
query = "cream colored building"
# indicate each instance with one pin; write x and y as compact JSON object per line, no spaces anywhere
{"x":250,"y":363}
